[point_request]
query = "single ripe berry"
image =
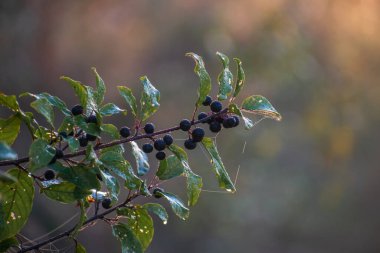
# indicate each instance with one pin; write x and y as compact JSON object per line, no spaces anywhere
{"x":160,"y":155}
{"x":147,"y":148}
{"x":190,"y":144}
{"x":90,"y":137}
{"x":201,"y":116}
{"x":83,"y":141}
{"x":215,"y":127}
{"x":77,"y":110}
{"x":58,"y":153}
{"x":159,"y":144}
{"x":207,"y":101}
{"x":237,"y":120}
{"x":149,"y":128}
{"x":185,"y":125}
{"x":216,"y":106}
{"x":92,"y":119}
{"x":125,"y":132}
{"x":49,"y":175}
{"x":157,"y":193}
{"x":63,"y":134}
{"x":198,"y":134}
{"x":229,"y":122}
{"x":168,"y":139}
{"x":106,"y":203}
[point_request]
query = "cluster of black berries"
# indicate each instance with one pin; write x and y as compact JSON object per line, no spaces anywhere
{"x":197,"y":134}
{"x":159,"y":144}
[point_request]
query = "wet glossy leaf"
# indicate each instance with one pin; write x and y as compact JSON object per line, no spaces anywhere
{"x":141,"y":224}
{"x":79,"y":88}
{"x":16,"y":203}
{"x":79,"y":248}
{"x":158,"y":210}
{"x":126,"y":93}
{"x":40,"y":154}
{"x":90,"y":128}
{"x":6,"y":152}
{"x":218,"y":166}
{"x":225,"y":78}
{"x":204,"y":78}
{"x":169,"y":168}
{"x":65,"y":192}
{"x":142,"y":163}
{"x":67,"y":125}
{"x":43,"y":107}
{"x":9,"y":129}
{"x":129,"y":241}
{"x":8,"y":243}
{"x":149,"y":99}
{"x":9,"y":101}
{"x":240,"y":77}
{"x":259,"y":105}
{"x":100,"y":88}
{"x":233,"y":108}
{"x":73,"y":143}
{"x":52,"y":100}
{"x":111,"y":109}
{"x":177,"y":205}
{"x":111,"y":183}
{"x":111,"y":130}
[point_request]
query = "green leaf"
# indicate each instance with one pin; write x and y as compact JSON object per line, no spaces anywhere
{"x":40,"y":154}
{"x":44,"y":107}
{"x":79,"y":88}
{"x":53,"y":101}
{"x":127,"y":94}
{"x":218,"y":166}
{"x":204,"y":78}
{"x":8,"y":243}
{"x":100,"y":88}
{"x":92,"y":106}
{"x":111,"y":109}
{"x":193,"y":181}
{"x":111,"y":130}
{"x":259,"y":105}
{"x":10,"y":102}
{"x":67,"y":125}
{"x":9,"y":129}
{"x":177,"y":205}
{"x":73,"y":143}
{"x":158,"y":210}
{"x":149,"y":99}
{"x":225,"y":78}
{"x":129,"y":241}
{"x":79,"y":248}
{"x":233,"y":108}
{"x":111,"y":183}
{"x":141,"y":224}
{"x":6,"y":178}
{"x":169,"y":168}
{"x":142,"y":163}
{"x":90,"y":128}
{"x":240,"y":80}
{"x":115,"y":162}
{"x":65,"y":192}
{"x":6,"y":153}
{"x":16,"y":203}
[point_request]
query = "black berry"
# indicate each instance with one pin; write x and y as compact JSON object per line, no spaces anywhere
{"x":168,"y":139}
{"x":201,"y":116}
{"x":215,"y":126}
{"x":198,"y":134}
{"x":49,"y":175}
{"x":229,"y":122}
{"x":63,"y":134}
{"x":147,"y":148}
{"x":71,"y":133}
{"x":77,"y":110}
{"x":159,"y":144}
{"x":90,"y":137}
{"x":106,"y":203}
{"x":237,"y":120}
{"x":92,"y":119}
{"x":207,"y":101}
{"x":58,"y":153}
{"x":160,"y":155}
{"x":125,"y":132}
{"x":157,"y":193}
{"x":83,"y":141}
{"x":216,"y":106}
{"x":149,"y":128}
{"x":190,"y":144}
{"x":185,"y":125}
{"x":219,"y":119}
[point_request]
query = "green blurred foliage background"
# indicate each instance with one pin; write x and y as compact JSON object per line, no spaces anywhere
{"x":307,"y":184}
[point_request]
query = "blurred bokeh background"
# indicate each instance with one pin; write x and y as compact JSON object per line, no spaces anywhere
{"x":307,"y":184}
